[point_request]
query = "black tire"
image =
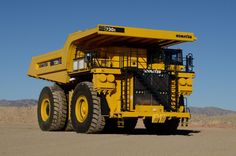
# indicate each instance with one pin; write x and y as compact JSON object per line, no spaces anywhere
{"x":151,"y":127}
{"x":111,"y":125}
{"x":56,"y":110}
{"x":94,"y":122}
{"x":172,"y":125}
{"x":68,"y":126}
{"x":130,"y":124}
{"x":168,"y":127}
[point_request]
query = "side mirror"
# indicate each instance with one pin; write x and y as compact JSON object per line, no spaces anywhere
{"x":189,"y":62}
{"x":190,"y":58}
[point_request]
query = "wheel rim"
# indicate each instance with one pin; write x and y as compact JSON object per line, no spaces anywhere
{"x":45,"y":109}
{"x":81,"y":109}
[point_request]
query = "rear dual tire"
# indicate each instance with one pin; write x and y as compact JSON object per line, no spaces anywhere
{"x":85,"y":111}
{"x":52,"y":109}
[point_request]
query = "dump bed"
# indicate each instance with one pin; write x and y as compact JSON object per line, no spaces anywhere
{"x":55,"y":66}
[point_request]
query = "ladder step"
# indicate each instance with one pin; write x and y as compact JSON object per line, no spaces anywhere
{"x":125,"y":89}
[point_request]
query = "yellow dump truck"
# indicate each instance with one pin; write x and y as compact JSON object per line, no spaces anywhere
{"x":107,"y":77}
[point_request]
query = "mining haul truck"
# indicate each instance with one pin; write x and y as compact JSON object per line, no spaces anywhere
{"x":108,"y":77}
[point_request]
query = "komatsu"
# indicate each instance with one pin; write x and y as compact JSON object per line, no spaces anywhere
{"x":107,"y":77}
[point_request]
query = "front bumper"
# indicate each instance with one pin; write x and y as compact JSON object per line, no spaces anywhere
{"x":157,"y":113}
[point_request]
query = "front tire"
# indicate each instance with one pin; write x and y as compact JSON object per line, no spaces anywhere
{"x":86,"y":109}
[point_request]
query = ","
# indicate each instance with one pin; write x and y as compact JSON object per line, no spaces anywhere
{"x":109,"y":76}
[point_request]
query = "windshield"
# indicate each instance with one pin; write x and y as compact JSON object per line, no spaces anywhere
{"x":167,"y":56}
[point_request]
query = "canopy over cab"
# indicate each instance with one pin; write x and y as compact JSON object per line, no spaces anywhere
{"x":55,"y":66}
{"x":104,"y":35}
